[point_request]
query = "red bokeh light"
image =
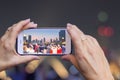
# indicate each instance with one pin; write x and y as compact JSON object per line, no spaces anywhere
{"x":106,"y":31}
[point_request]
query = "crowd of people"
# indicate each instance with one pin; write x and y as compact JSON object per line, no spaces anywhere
{"x":44,"y":49}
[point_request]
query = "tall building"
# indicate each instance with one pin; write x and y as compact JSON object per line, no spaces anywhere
{"x":51,"y":40}
{"x":29,"y":38}
{"x":44,"y":39}
{"x":62,"y":35}
{"x":24,"y":38}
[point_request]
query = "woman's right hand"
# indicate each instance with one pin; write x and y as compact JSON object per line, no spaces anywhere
{"x":89,"y":58}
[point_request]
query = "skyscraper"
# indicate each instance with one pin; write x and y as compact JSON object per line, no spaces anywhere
{"x":29,"y":38}
{"x":62,"y":35}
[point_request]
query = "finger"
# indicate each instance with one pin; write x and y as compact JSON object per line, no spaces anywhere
{"x":75,"y":34}
{"x":95,"y":45}
{"x":16,"y":29}
{"x":24,"y":59}
{"x":13,"y":31}
{"x":19,"y":26}
{"x":72,"y":59}
{"x":95,"y":42}
{"x":30,"y":25}
{"x":9,"y":28}
{"x":90,"y":48}
{"x":94,"y":52}
{"x":4,"y":37}
{"x":82,"y":65}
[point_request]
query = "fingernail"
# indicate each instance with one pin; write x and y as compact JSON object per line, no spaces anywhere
{"x":35,"y":24}
{"x":69,"y":25}
{"x":27,"y":19}
{"x":36,"y":57}
{"x":32,"y":22}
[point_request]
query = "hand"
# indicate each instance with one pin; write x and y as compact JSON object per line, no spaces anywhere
{"x":89,"y":58}
{"x":8,"y":55}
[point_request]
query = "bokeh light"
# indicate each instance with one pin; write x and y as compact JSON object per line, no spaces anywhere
{"x":106,"y":31}
{"x":3,"y":76}
{"x":59,"y":68}
{"x":31,"y":67}
{"x":103,"y":16}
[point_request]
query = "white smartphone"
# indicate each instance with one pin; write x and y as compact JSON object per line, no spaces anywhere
{"x":44,"y":41}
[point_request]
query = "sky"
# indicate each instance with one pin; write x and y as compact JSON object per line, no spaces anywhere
{"x":43,"y":33}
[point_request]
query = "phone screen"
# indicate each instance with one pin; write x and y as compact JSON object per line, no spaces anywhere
{"x":44,"y":42}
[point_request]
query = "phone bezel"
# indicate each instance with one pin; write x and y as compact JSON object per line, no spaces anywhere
{"x":19,"y":41}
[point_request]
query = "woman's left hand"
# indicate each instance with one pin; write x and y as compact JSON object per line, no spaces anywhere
{"x":8,"y":55}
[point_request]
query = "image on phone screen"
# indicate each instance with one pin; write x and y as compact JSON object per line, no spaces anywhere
{"x":44,"y":42}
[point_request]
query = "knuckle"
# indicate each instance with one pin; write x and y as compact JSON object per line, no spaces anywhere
{"x":91,"y":37}
{"x":2,"y":40}
{"x":13,"y":29}
{"x":7,"y":45}
{"x":95,"y":40}
{"x":14,"y":25}
{"x":9,"y":28}
{"x":20,"y":23}
{"x":81,"y":57}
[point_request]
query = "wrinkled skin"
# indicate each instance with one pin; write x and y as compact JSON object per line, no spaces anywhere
{"x":89,"y":58}
{"x":8,"y":55}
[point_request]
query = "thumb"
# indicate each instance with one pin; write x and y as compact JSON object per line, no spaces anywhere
{"x":24,"y":59}
{"x":72,"y":59}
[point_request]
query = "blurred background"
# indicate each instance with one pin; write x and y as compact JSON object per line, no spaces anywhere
{"x":99,"y":18}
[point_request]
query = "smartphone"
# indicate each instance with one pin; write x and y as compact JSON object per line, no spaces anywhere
{"x":44,"y":41}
